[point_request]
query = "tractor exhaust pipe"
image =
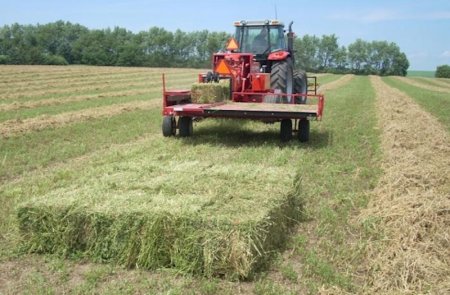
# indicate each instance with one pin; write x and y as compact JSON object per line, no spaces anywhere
{"x":290,"y":39}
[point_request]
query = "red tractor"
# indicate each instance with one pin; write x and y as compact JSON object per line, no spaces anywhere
{"x":263,"y":84}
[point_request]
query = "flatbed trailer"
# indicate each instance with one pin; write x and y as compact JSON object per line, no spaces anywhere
{"x":177,"y":103}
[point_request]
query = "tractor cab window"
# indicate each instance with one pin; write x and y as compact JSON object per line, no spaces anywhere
{"x":260,"y":39}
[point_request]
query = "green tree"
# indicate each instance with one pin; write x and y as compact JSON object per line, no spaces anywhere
{"x":306,"y":53}
{"x":328,"y":48}
{"x":358,"y":55}
{"x":443,"y":71}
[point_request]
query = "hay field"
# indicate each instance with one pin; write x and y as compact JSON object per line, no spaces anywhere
{"x":82,"y":151}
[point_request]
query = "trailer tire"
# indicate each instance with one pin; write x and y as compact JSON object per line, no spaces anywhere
{"x":303,"y":130}
{"x":300,"y":86}
{"x":186,"y":127}
{"x":282,"y":77}
{"x":169,"y":126}
{"x":286,"y":130}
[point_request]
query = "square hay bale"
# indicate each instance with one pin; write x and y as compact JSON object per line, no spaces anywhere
{"x":213,"y":217}
{"x":210,"y":92}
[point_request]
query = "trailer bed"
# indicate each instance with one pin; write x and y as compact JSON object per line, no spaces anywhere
{"x":247,"y":110}
{"x":264,"y":110}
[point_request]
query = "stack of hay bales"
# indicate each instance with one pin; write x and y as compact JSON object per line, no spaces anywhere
{"x":210,"y":92}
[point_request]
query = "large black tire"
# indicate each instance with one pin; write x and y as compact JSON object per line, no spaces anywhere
{"x":169,"y":126}
{"x":303,"y":130}
{"x":282,"y":77}
{"x":300,"y":85}
{"x":286,"y":130}
{"x":185,"y":126}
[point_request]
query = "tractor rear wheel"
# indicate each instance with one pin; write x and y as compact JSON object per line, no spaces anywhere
{"x":169,"y":126}
{"x":286,"y":130}
{"x":186,"y":127}
{"x":303,"y":130}
{"x":300,"y":85}
{"x":282,"y":77}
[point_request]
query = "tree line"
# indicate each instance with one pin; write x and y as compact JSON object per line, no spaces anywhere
{"x":64,"y":43}
{"x":360,"y":57}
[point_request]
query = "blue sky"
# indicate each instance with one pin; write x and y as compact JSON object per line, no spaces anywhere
{"x":421,"y":28}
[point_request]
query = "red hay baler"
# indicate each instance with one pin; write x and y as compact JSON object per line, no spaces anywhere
{"x":263,"y":85}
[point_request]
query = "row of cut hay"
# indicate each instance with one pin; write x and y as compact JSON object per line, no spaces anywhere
{"x":409,"y":208}
{"x":44,"y":92}
{"x":434,"y":82}
{"x":13,"y":76}
{"x":31,"y":104}
{"x":424,"y":85}
{"x":336,"y":83}
{"x":198,"y":209}
{"x":16,"y":127}
{"x":118,"y":77}
{"x":113,"y":91}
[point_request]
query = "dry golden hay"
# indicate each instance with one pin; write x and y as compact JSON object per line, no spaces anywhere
{"x":210,"y":92}
{"x":336,"y":84}
{"x":410,"y":208}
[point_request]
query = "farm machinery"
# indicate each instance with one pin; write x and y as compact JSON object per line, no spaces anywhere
{"x":259,"y":66}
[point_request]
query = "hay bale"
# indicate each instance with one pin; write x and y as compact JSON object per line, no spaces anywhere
{"x":152,"y":212}
{"x":210,"y":92}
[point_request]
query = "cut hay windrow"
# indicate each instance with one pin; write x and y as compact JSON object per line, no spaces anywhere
{"x":336,"y":83}
{"x":12,"y":94}
{"x":197,"y":209}
{"x":423,"y":85}
{"x":434,"y":82}
{"x":15,"y":127}
{"x":410,"y":206}
{"x":30,"y":102}
{"x":99,"y":80}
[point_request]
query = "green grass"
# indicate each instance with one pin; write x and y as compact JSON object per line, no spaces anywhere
{"x":334,"y":182}
{"x":331,"y":173}
{"x":437,"y":103}
{"x":428,"y":74}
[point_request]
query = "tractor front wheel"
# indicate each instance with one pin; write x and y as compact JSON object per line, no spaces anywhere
{"x":303,"y":130}
{"x":286,"y":130}
{"x":186,"y":127}
{"x":169,"y":126}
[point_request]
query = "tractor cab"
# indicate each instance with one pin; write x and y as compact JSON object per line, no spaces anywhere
{"x":260,"y":38}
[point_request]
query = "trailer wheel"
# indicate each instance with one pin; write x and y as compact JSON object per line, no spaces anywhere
{"x":169,"y":126}
{"x":186,"y":127}
{"x":303,"y":130}
{"x":286,"y":130}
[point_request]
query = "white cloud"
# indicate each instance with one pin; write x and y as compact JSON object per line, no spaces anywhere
{"x":446,"y":53}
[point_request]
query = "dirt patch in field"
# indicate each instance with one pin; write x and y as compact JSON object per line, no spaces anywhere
{"x":423,"y":85}
{"x":410,"y":208}
{"x":336,"y":84}
{"x":16,"y":127}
